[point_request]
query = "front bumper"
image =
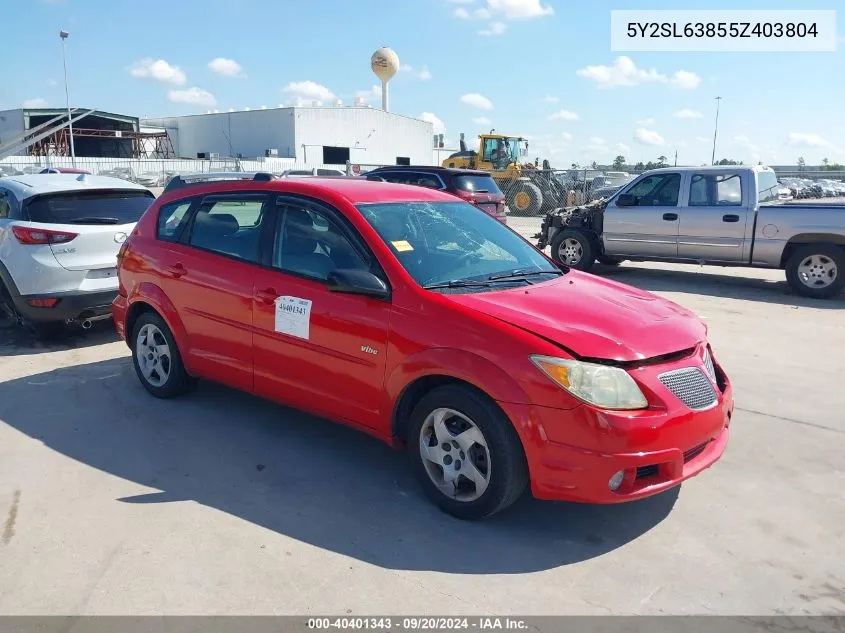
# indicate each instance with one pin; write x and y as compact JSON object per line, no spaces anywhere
{"x":71,"y":306}
{"x":573,"y":454}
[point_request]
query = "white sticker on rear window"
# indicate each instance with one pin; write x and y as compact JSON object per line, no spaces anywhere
{"x":293,"y":316}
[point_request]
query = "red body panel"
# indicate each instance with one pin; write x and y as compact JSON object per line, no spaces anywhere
{"x":363,"y":353}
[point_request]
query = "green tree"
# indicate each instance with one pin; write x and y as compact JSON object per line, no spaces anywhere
{"x":594,"y":165}
{"x":661,"y":160}
{"x":801,"y":163}
{"x":619,"y":162}
{"x":825,"y":162}
{"x":639,"y":166}
{"x":728,"y":161}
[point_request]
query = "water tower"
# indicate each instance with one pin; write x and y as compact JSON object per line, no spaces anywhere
{"x":385,"y":65}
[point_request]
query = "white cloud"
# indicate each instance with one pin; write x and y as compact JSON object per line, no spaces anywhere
{"x":194,"y":95}
{"x":424,"y":74}
{"x":563,"y":115}
{"x":519,"y":9}
{"x":461,"y":1}
{"x":624,"y":72}
{"x":52,"y":83}
{"x":648,"y":137}
{"x":461,"y":13}
{"x":307,"y":92}
{"x":686,"y":113}
{"x":802,"y":139}
{"x":685,"y":80}
{"x":482,"y":120}
{"x":367,"y":95}
{"x":405,"y":68}
{"x":437,"y":124}
{"x":226,"y":67}
{"x":37,"y":102}
{"x":566,"y":136}
{"x":477,"y":101}
{"x":159,"y":70}
{"x":495,"y":28}
{"x":550,"y":99}
{"x":702,"y":139}
{"x":481,"y":14}
{"x":622,"y":148}
{"x":596,"y":140}
{"x":646,"y":122}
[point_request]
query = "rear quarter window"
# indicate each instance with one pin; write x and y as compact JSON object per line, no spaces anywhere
{"x":475,"y":184}
{"x":767,"y":186}
{"x":171,"y":219}
{"x":89,"y":207}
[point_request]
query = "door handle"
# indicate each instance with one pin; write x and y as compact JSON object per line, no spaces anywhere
{"x":730,"y":218}
{"x":267,"y":296}
{"x":671,"y":217}
{"x":175,"y":271}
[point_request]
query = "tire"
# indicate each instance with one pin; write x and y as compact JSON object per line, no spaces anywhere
{"x":506,"y":476}
{"x":524,"y":198}
{"x":817,"y":270}
{"x":574,"y":248}
{"x":150,"y":327}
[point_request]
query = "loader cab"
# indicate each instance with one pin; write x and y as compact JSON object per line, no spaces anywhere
{"x":498,"y":153}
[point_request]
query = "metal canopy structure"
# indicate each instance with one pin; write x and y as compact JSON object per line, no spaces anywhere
{"x":143,"y":144}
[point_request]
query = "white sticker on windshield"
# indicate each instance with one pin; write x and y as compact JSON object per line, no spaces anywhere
{"x":293,"y":316}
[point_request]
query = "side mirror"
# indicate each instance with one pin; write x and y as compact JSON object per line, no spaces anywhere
{"x":627,"y":200}
{"x":357,"y":282}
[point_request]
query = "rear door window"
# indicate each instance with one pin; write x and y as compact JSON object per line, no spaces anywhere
{"x":230,"y":225}
{"x":89,"y":207}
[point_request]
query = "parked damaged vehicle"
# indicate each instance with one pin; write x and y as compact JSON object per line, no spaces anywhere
{"x":725,"y":216}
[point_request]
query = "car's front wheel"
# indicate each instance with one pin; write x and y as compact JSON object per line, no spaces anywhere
{"x":574,"y":249}
{"x":466,"y":453}
{"x":156,"y":358}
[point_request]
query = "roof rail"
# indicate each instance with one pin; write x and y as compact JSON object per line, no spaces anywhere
{"x":183,"y":180}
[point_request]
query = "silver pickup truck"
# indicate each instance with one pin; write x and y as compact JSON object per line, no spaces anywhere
{"x":725,"y":216}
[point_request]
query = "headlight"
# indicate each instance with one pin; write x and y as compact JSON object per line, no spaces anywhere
{"x":600,"y":385}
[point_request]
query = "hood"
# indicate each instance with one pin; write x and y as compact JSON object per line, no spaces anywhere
{"x":594,"y":317}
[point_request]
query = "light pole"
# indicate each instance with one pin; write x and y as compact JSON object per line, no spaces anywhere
{"x":715,"y":131}
{"x":63,"y":36}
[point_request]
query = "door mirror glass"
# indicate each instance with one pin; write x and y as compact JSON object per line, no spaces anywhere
{"x":357,"y":282}
{"x":627,"y":200}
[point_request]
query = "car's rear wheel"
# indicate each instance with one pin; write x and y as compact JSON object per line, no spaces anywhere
{"x":156,"y":358}
{"x":466,"y":453}
{"x":817,"y":270}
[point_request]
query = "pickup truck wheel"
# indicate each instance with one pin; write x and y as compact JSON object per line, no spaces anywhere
{"x":574,"y":249}
{"x":817,"y":270}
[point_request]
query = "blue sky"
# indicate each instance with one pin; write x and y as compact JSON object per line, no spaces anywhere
{"x":540,"y":68}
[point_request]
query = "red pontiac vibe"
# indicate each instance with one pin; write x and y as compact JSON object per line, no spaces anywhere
{"x":423,"y":321}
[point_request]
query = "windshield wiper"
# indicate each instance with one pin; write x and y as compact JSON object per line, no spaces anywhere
{"x":457,"y":283}
{"x":522,"y":274}
{"x":94,"y":220}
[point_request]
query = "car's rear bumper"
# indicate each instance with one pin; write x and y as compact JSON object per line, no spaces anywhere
{"x":71,"y":306}
{"x":119,"y":309}
{"x":658,"y":452}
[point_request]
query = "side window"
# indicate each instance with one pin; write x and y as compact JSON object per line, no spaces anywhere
{"x":427,"y":180}
{"x":229,"y":226}
{"x":5,"y":206}
{"x":309,"y":243}
{"x":660,"y":190}
{"x":767,"y":186}
{"x":171,"y":218}
{"x":715,"y":190}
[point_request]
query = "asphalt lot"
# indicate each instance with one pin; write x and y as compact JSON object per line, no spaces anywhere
{"x":112,"y":502}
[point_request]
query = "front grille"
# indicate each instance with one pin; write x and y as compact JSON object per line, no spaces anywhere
{"x":694,"y":452}
{"x":691,"y":387}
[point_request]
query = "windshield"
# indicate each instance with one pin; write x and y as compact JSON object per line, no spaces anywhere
{"x":502,"y":151}
{"x":442,"y":242}
{"x":94,"y":207}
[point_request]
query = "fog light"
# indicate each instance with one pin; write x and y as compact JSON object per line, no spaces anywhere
{"x":616,"y":481}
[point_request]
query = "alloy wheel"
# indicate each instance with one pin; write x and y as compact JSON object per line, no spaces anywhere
{"x":153,"y":354}
{"x":817,"y":271}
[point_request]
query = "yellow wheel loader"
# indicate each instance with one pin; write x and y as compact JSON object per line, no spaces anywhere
{"x":528,"y":190}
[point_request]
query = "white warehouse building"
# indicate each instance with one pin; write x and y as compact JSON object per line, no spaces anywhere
{"x":308,"y":135}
